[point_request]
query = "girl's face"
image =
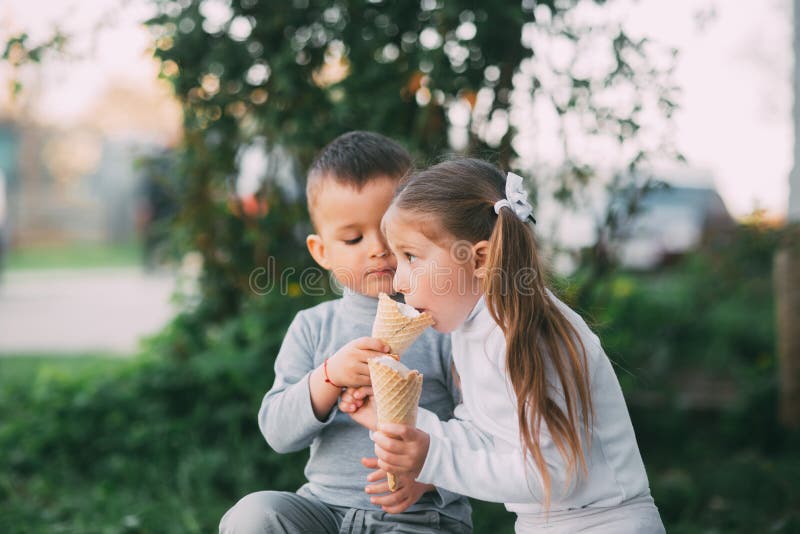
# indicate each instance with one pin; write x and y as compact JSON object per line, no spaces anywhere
{"x":440,"y":279}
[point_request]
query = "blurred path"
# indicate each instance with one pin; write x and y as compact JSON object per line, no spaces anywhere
{"x":69,"y":311}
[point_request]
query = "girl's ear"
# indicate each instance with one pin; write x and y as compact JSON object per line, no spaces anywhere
{"x":480,"y":255}
{"x":316,"y":247}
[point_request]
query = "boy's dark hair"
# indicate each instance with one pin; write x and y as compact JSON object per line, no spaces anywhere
{"x":354,"y":159}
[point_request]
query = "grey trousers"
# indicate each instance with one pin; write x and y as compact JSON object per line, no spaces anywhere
{"x":280,"y":512}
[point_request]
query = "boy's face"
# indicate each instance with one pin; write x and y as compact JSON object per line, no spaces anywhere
{"x":350,"y":243}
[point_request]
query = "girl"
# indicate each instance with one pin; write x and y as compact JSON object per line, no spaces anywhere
{"x":543,"y":426}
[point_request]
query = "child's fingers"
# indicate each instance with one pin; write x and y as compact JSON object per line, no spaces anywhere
{"x":363,"y":392}
{"x":349,"y":407}
{"x":378,"y":474}
{"x":380,"y":487}
{"x":388,"y":467}
{"x":372,"y":344}
{"x":404,"y":500}
{"x":391,"y":462}
{"x":387,"y":443}
{"x":369,"y":463}
{"x":403,"y":432}
{"x":372,"y":463}
{"x":351,"y":396}
{"x":358,"y":379}
{"x":391,"y":499}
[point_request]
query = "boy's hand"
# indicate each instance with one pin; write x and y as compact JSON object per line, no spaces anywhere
{"x":348,"y":367}
{"x":401,"y":449}
{"x":359,"y":404}
{"x":408,"y":490}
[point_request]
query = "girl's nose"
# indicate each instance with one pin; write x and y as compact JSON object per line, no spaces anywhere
{"x":400,"y":281}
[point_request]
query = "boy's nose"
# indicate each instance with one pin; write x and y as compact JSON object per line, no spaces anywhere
{"x":379,"y":250}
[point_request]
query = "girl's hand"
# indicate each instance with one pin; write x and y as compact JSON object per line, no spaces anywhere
{"x":408,"y":490}
{"x":354,"y":398}
{"x":348,"y":367}
{"x":359,"y":404}
{"x":401,"y":449}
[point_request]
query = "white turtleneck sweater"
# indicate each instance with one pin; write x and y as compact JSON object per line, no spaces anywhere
{"x":478,"y":453}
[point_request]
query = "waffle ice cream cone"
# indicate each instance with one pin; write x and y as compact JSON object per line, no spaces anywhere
{"x":398,"y":324}
{"x":396,"y":391}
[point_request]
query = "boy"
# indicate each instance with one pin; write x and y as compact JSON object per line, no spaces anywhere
{"x":326,"y":348}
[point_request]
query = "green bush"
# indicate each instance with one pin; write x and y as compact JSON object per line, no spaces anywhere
{"x":694,"y":350}
{"x":708,"y":316}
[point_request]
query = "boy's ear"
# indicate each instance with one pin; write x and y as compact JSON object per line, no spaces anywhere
{"x":480,"y":255}
{"x":316,"y":248}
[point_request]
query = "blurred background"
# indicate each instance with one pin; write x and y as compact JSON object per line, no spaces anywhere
{"x":152,"y":159}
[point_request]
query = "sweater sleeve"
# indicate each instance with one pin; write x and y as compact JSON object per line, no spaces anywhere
{"x":464,"y":460}
{"x":286,"y":417}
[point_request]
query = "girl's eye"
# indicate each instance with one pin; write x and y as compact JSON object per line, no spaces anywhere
{"x":353,"y":241}
{"x":411,"y":258}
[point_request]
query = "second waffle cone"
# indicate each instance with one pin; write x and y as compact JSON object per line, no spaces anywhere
{"x":396,"y":394}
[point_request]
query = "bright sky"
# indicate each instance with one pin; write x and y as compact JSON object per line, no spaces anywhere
{"x":735,"y":73}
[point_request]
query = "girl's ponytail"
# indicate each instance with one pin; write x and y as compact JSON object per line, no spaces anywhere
{"x":538,"y":337}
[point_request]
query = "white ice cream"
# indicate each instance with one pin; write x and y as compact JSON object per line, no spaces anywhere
{"x":407,"y":310}
{"x":390,"y":362}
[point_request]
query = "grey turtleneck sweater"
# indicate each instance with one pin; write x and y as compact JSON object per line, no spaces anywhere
{"x":334,"y":471}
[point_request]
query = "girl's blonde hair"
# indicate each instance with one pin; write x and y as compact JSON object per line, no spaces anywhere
{"x":456,"y":199}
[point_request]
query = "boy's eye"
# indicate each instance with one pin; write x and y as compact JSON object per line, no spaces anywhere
{"x":411,"y":258}
{"x":353,"y":241}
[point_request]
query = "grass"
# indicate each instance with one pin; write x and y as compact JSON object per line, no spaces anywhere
{"x":75,"y":256}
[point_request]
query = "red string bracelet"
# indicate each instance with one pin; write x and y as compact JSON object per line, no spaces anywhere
{"x":325,"y":371}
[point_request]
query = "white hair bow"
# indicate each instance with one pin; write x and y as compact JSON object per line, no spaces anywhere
{"x":516,"y":198}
